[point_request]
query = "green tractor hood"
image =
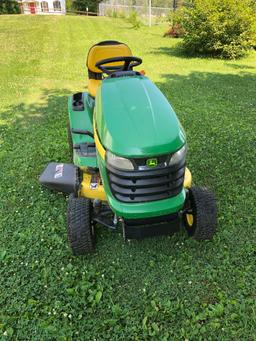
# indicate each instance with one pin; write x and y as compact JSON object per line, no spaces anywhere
{"x":134,"y":118}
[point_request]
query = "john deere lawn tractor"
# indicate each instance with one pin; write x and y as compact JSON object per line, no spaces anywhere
{"x":129,"y":158}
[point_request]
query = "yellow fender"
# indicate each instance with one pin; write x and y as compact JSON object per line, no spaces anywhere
{"x":187,"y":178}
{"x":92,"y":188}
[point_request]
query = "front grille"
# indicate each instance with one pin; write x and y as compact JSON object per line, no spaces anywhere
{"x":146,"y":185}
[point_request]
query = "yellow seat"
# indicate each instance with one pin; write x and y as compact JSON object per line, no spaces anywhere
{"x":103,"y":50}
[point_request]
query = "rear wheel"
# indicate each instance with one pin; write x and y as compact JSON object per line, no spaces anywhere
{"x":80,"y":227}
{"x":200,"y":217}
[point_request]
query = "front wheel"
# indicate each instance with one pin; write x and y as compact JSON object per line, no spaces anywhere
{"x":80,"y":227}
{"x":200,"y":216}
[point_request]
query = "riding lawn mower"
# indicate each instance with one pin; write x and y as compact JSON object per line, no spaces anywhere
{"x":129,"y":158}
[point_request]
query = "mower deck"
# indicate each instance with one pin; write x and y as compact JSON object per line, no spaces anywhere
{"x":151,"y":227}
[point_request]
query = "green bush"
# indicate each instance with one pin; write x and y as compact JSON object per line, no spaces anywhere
{"x":222,"y":28}
{"x":115,"y":14}
{"x":9,"y":7}
{"x":121,"y":14}
{"x":134,"y":20}
{"x":175,"y":19}
{"x":82,"y":5}
{"x":69,"y":5}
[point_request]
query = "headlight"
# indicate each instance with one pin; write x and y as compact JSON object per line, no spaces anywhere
{"x":178,"y":156}
{"x":118,"y":161}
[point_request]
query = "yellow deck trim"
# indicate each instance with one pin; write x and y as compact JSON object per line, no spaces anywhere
{"x":187,"y":178}
{"x":190,"y":219}
{"x":92,"y":192}
{"x":101,"y":150}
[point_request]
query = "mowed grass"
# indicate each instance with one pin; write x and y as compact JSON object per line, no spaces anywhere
{"x":167,"y":288}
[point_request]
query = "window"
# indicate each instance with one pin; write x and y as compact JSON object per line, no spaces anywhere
{"x":56,"y":6}
{"x":44,"y":6}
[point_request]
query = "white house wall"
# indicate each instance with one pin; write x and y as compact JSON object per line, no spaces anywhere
{"x":38,"y":8}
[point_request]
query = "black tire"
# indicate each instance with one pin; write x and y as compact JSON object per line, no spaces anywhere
{"x":80,"y":228}
{"x":200,"y":218}
{"x":70,"y":142}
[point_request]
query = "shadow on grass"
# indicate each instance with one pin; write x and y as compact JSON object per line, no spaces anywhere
{"x":50,"y":105}
{"x":218,"y":113}
{"x":130,"y":275}
{"x":198,"y":87}
{"x":33,"y":134}
{"x":178,"y":50}
{"x":216,"y":110}
{"x":240,"y":67}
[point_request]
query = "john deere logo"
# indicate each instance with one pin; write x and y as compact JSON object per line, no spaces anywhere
{"x":151,"y":163}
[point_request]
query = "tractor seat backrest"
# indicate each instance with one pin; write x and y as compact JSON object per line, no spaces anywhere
{"x":103,"y":50}
{"x":106,"y":49}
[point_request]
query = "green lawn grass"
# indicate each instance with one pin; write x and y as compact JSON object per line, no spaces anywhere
{"x":161,"y":289}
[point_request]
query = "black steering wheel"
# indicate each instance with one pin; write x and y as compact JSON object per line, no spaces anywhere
{"x":129,"y":63}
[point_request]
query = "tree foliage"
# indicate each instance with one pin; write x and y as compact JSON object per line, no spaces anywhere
{"x":82,"y":5}
{"x":9,"y":7}
{"x":223,"y":28}
{"x":69,"y":5}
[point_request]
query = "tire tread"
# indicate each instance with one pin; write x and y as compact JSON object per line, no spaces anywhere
{"x":204,"y":210}
{"x":79,"y":225}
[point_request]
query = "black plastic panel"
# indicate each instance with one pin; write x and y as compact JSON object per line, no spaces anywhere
{"x":85,"y":149}
{"x":78,"y":102}
{"x":61,"y":177}
{"x":146,"y":185}
{"x":151,"y":227}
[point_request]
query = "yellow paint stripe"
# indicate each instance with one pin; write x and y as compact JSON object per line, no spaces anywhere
{"x":187,"y":179}
{"x":101,"y":150}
